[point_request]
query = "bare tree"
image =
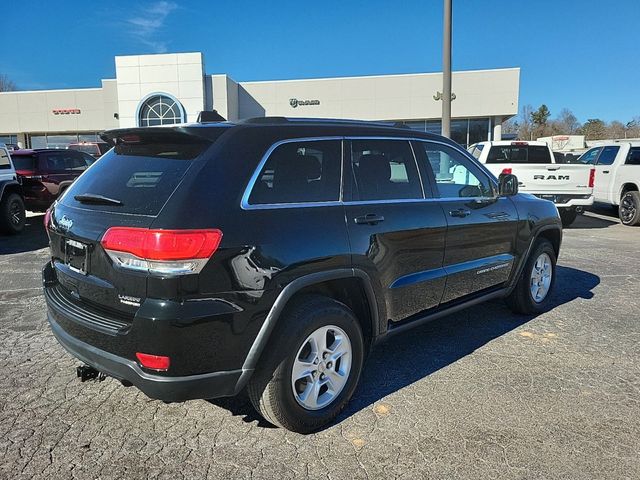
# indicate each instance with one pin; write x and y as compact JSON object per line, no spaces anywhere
{"x":567,"y":123}
{"x":6,"y":84}
{"x":525,"y":130}
{"x":616,"y":129}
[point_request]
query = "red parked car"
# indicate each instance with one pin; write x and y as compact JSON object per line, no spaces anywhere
{"x":46,"y":173}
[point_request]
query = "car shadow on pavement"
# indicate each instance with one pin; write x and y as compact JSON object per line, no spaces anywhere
{"x":33,"y":237}
{"x":406,"y":359}
{"x":587,"y":222}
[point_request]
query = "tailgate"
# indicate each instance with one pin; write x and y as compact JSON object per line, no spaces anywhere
{"x":126,"y":187}
{"x":550,"y":178}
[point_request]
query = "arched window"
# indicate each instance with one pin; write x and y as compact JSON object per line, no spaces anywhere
{"x":160,"y":110}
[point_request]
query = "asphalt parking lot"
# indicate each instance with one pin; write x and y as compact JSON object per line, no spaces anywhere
{"x":481,"y":394}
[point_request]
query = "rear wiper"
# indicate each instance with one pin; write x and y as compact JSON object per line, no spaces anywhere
{"x":97,"y":199}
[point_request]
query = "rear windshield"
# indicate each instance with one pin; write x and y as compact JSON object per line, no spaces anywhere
{"x":140,"y":174}
{"x":23,"y":162}
{"x":519,"y":154}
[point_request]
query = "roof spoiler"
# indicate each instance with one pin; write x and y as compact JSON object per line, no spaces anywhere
{"x":178,"y":134}
{"x":209,"y":116}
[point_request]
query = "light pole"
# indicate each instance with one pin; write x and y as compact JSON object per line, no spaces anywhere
{"x":446,"y":70}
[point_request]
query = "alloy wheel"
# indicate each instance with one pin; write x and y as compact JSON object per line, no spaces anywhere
{"x":321,"y":367}
{"x":15,"y":213}
{"x":541,"y":275}
{"x":627,"y":209}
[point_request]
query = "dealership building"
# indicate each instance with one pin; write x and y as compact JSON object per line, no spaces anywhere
{"x":173,"y":88}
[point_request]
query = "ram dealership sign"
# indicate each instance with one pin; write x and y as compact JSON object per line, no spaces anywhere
{"x":294,"y":102}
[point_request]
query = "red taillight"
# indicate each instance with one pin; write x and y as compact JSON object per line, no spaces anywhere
{"x":507,"y":171}
{"x":162,"y":244}
{"x":171,"y":252}
{"x":154,"y":362}
{"x":592,"y":178}
{"x":47,"y":218}
{"x":520,"y":144}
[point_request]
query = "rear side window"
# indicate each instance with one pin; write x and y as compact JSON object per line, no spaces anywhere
{"x":634,"y":156}
{"x":608,"y":155}
{"x":477,"y":151}
{"x":384,"y":170}
{"x":142,"y":173}
{"x":5,"y":163}
{"x":519,"y":154}
{"x":24,"y":162}
{"x":300,"y":172}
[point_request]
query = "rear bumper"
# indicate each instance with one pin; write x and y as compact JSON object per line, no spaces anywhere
{"x":170,"y":389}
{"x":567,"y":200}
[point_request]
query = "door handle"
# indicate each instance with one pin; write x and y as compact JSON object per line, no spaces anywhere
{"x":605,"y":171}
{"x":460,"y":213}
{"x":369,"y":219}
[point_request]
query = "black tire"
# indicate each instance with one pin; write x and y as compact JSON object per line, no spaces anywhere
{"x":270,"y":389}
{"x":629,"y":210}
{"x":12,"y":214}
{"x":521,"y":299}
{"x":568,"y":216}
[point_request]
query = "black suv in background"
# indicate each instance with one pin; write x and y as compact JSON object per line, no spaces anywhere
{"x":194,"y":261}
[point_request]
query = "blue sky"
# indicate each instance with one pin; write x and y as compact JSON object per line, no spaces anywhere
{"x":579,"y":54}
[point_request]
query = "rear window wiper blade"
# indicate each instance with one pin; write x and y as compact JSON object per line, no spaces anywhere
{"x":97,"y":199}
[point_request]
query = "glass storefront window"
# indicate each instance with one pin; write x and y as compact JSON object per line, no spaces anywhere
{"x":459,"y":131}
{"x":38,"y":141}
{"x":60,"y":141}
{"x":88,"y":137}
{"x":465,"y":131}
{"x":478,"y":130}
{"x":9,"y":139}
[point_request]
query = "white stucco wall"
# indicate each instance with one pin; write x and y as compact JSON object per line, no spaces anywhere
{"x":390,"y":97}
{"x":33,"y":111}
{"x":178,"y":74}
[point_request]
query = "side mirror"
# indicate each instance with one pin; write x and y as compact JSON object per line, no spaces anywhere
{"x":507,"y":185}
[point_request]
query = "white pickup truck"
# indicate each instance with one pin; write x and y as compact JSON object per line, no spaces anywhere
{"x":569,"y":186}
{"x":617,"y":181}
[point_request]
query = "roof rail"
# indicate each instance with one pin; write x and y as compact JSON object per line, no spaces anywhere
{"x":290,"y":120}
{"x":265,"y":120}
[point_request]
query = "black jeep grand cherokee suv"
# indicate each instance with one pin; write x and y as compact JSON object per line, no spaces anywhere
{"x":196,"y":260}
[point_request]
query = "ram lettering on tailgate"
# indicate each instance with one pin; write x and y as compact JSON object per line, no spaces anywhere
{"x":551,"y":177}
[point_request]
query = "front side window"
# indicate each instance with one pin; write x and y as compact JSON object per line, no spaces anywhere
{"x":160,"y":110}
{"x":300,"y":172}
{"x":608,"y":155}
{"x":455,"y":174}
{"x":590,"y":156}
{"x":384,"y":170}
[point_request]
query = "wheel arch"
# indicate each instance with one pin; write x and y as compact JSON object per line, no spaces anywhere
{"x":337,"y":284}
{"x":552,"y":233}
{"x":627,"y":187}
{"x":11,"y":186}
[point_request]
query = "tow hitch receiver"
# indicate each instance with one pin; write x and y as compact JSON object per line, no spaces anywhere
{"x":85,"y":372}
